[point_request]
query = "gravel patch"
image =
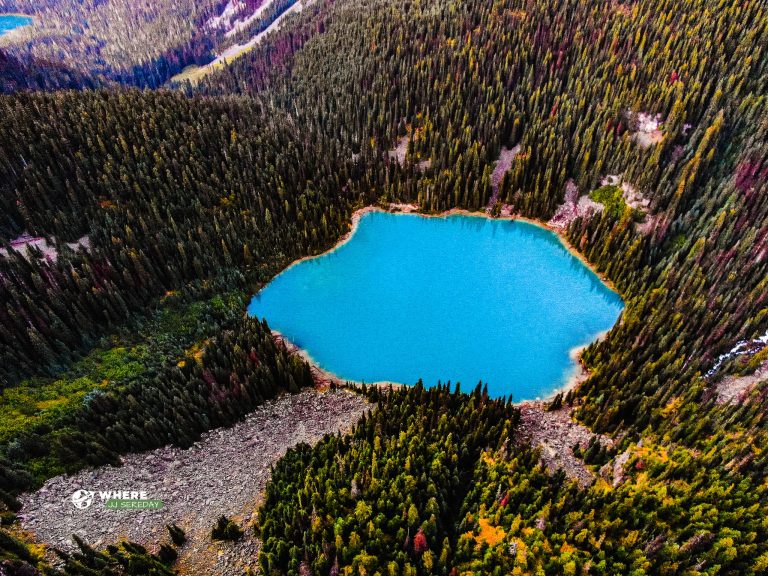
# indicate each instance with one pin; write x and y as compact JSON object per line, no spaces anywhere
{"x":502,"y":166}
{"x":648,"y":131}
{"x":556,"y":433}
{"x":400,"y":150}
{"x":634,"y":199}
{"x":735,"y":389}
{"x":224,"y":473}
{"x":24,"y":244}
{"x":573,"y":207}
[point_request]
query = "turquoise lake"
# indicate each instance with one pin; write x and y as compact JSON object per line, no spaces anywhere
{"x":10,"y":21}
{"x":461,"y":299}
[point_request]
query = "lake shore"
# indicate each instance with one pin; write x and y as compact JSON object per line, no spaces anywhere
{"x":553,"y":432}
{"x":516,"y":217}
{"x":31,"y":17}
{"x":401,"y":208}
{"x":324,"y":377}
{"x":16,"y":32}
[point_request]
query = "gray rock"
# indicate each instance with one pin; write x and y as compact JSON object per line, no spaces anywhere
{"x":225,"y":472}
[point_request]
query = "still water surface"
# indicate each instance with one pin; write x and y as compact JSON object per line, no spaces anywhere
{"x":10,"y":21}
{"x":460,"y":298}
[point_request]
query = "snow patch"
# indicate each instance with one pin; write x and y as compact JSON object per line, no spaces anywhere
{"x":239,"y":49}
{"x":239,"y":25}
{"x":742,"y":347}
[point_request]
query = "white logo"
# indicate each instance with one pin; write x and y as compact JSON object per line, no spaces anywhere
{"x":115,"y":499}
{"x":82,"y":499}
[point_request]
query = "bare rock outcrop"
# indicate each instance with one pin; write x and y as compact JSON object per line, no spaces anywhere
{"x":573,"y":206}
{"x":556,"y":433}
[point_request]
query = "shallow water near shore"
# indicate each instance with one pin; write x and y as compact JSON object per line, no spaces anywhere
{"x":460,"y":298}
{"x":10,"y":21}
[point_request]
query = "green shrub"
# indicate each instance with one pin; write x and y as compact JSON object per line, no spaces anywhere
{"x":610,"y":197}
{"x":225,"y":529}
{"x":167,"y":554}
{"x":178,"y":537}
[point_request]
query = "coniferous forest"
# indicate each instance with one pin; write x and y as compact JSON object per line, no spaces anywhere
{"x":164,"y":204}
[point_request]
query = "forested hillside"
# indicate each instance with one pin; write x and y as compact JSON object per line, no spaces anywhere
{"x":168,"y":189}
{"x":435,"y":483}
{"x":210,"y":196}
{"x":567,"y":84}
{"x":140,"y":43}
{"x":384,"y":497}
{"x":75,"y":44}
{"x":656,"y":109}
